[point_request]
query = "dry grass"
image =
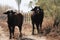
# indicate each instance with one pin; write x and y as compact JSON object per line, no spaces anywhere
{"x":27,"y":30}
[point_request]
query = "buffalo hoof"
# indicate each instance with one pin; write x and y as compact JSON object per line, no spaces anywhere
{"x":33,"y":34}
{"x":20,"y":35}
{"x":10,"y":38}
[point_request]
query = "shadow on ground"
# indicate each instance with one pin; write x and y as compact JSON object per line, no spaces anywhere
{"x":23,"y":38}
{"x":27,"y":39}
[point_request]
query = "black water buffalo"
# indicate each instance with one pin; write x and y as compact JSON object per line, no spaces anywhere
{"x":37,"y":19}
{"x":14,"y":20}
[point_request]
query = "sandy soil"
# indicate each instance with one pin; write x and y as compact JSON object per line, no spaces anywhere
{"x":26,"y":31}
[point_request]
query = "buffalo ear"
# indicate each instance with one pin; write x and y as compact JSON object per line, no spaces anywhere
{"x":5,"y":13}
{"x":41,"y":10}
{"x":33,"y":10}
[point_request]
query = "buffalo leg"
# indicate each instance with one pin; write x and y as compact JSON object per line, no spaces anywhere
{"x":41,"y":28}
{"x":20,"y":29}
{"x":13,"y":27}
{"x":10,"y":31}
{"x":33,"y":29}
{"x":37,"y":26}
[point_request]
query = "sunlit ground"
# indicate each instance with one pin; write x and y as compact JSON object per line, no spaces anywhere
{"x":27,"y":32}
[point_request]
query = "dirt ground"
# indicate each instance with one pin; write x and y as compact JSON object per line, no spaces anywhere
{"x":27,"y":33}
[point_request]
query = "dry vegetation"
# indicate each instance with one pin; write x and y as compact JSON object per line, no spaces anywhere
{"x":54,"y":34}
{"x":51,"y":10}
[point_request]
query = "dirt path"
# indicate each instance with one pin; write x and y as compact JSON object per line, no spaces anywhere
{"x":27,"y":29}
{"x":3,"y":35}
{"x":33,"y":38}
